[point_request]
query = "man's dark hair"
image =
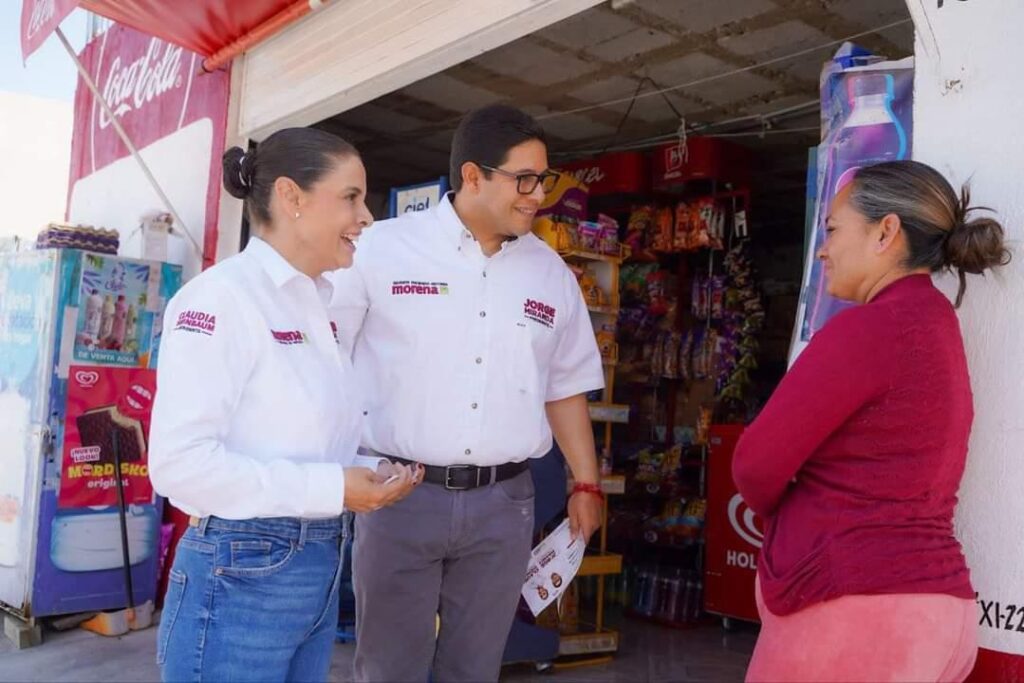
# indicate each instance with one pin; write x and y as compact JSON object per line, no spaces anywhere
{"x":486,"y":135}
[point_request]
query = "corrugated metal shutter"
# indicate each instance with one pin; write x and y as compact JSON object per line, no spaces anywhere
{"x":354,"y":51}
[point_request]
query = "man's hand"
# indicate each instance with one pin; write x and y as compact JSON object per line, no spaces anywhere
{"x":585,"y":513}
{"x":367,"y":491}
{"x":570,"y":422}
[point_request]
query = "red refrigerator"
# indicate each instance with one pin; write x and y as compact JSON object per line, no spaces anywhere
{"x":733,"y":534}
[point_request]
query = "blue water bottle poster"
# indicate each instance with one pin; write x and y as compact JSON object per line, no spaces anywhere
{"x":867,"y":118}
{"x":115,"y":311}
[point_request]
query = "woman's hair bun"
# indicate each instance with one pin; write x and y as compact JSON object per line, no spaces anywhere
{"x":974,"y":246}
{"x":238,"y":164}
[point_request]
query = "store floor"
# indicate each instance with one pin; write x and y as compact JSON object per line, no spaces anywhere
{"x":649,"y":653}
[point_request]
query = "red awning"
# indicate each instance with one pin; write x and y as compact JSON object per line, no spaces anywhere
{"x":217,"y":29}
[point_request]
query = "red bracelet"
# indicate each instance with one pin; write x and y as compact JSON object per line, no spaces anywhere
{"x":588,"y":488}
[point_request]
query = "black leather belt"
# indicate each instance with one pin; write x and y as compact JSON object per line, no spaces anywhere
{"x":466,"y":477}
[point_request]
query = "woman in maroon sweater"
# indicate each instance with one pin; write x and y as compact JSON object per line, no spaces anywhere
{"x":855,"y":462}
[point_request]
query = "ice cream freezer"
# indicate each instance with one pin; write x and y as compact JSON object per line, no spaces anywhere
{"x":733,"y":535}
{"x":79,"y":334}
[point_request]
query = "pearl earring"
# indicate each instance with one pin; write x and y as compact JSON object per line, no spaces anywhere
{"x":296,"y":214}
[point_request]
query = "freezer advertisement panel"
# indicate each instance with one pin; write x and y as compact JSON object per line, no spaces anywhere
{"x":116,"y":308}
{"x":104,"y":405}
{"x":27,"y":286}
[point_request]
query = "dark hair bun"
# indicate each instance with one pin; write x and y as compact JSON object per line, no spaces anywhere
{"x":977,"y":245}
{"x":237,"y":164}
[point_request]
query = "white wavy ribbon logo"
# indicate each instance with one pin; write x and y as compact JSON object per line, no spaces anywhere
{"x":744,"y":524}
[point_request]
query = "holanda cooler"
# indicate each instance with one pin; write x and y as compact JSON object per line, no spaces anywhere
{"x":79,"y":334}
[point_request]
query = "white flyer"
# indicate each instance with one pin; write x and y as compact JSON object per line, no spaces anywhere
{"x":553,"y":565}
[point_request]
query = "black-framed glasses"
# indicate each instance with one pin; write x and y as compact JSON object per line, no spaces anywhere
{"x":526,"y":183}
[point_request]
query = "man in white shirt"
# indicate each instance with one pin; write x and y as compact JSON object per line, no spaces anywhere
{"x":472,"y":344}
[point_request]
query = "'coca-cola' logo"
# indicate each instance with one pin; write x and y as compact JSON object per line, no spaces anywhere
{"x":42,"y":13}
{"x":743,"y":521}
{"x":129,"y":88}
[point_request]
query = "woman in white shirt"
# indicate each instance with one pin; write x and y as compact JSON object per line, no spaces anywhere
{"x":256,"y":425}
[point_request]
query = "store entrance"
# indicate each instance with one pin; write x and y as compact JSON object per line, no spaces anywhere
{"x":692,"y":128}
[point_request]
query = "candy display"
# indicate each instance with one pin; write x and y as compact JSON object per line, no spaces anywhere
{"x":640,"y":225}
{"x":566,"y":202}
{"x":680,"y":521}
{"x":565,"y":235}
{"x":664,"y":225}
{"x":744,"y":319}
{"x":590,"y":235}
{"x":560,"y":213}
{"x":682,"y":239}
{"x":560,"y":236}
{"x":606,"y":343}
{"x":592,"y":292}
{"x":685,"y":343}
{"x":686,"y":226}
{"x":609,"y":241}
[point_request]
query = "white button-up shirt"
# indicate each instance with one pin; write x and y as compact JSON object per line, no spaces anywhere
{"x":255,"y":413}
{"x":456,"y":353}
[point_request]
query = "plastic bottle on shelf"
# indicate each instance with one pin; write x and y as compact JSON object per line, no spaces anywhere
{"x":673,"y":596}
{"x":698,"y":599}
{"x":653,"y":592}
{"x":639,"y":585}
{"x":625,"y":596}
{"x":648,"y":578}
{"x":689,"y":588}
{"x":664,"y":595}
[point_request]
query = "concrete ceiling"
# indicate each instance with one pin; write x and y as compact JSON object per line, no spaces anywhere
{"x":606,"y":54}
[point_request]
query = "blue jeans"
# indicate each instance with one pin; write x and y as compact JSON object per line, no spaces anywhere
{"x":253,"y":600}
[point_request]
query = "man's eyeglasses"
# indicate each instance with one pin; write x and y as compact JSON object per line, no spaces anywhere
{"x":526,"y":183}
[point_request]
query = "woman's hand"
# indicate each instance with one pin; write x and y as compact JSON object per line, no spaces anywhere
{"x":367,"y":491}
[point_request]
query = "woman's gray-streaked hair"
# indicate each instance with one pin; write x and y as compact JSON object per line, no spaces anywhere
{"x":933,"y":217}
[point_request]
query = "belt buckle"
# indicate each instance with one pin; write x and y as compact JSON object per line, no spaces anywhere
{"x":448,"y":477}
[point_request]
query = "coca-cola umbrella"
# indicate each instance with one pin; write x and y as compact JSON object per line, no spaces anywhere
{"x":219,"y":30}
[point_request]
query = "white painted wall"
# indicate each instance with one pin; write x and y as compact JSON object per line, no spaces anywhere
{"x":119,"y":195}
{"x":968,"y":114}
{"x":35,"y":156}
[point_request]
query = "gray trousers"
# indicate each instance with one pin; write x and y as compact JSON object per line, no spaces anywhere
{"x":460,"y":554}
